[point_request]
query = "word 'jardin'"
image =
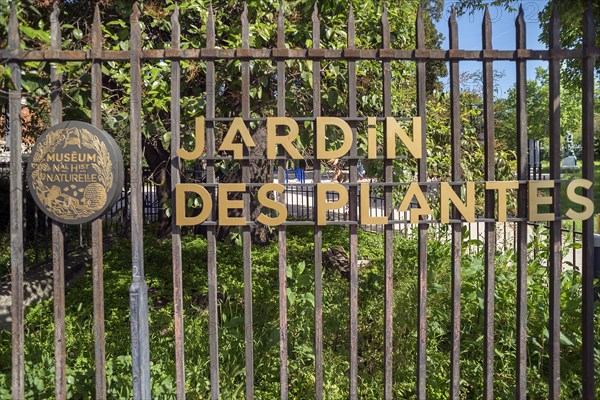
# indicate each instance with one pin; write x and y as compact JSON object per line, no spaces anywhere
{"x":392,"y":131}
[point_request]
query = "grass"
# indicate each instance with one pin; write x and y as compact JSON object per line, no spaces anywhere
{"x":300,"y":298}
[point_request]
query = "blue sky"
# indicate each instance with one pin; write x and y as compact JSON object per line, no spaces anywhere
{"x":503,"y":38}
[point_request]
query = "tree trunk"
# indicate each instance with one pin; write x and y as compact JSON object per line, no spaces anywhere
{"x":261,"y":171}
{"x":158,"y":161}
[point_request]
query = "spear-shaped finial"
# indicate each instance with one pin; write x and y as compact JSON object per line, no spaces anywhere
{"x":453,"y":29}
{"x":175,"y":27}
{"x":420,"y":28}
{"x":210,"y":27}
{"x":96,"y":29}
{"x":589,"y":32}
{"x":486,"y":29}
{"x":280,"y":27}
{"x":55,"y":35}
{"x":351,"y":28}
{"x":520,"y":28}
{"x":55,"y":10}
{"x":245,"y":27}
{"x":135,"y":12}
{"x":385,"y":27}
{"x":13,"y":28}
{"x":554,"y":27}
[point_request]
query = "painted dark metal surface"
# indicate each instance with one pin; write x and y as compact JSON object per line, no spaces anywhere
{"x":353,"y":213}
{"x":521,"y":250}
{"x":16,"y":215}
{"x":422,"y":229}
{"x":246,"y":236}
{"x":318,"y":239}
{"x":58,"y":246}
{"x":213,"y":323}
{"x":587,"y":318}
{"x":176,"y":166}
{"x":97,"y":225}
{"x":490,"y":206}
{"x":138,"y":291}
{"x":388,"y":231}
{"x":455,"y":126}
{"x":315,"y":55}
{"x":282,"y":231}
{"x":555,"y":226}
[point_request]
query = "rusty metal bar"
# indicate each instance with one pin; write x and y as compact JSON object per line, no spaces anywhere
{"x":58,"y":240}
{"x":388,"y":228}
{"x":490,"y":203}
{"x":422,"y":234}
{"x":16,"y":216}
{"x":555,"y":226}
{"x":353,"y":214}
{"x":246,"y":238}
{"x":97,"y":233}
{"x":8,"y":54}
{"x":176,"y":229}
{"x":589,"y":40}
{"x":138,"y":292}
{"x":318,"y":233}
{"x":521,"y":248}
{"x":283,"y":324}
{"x":455,"y":127}
{"x":213,"y":329}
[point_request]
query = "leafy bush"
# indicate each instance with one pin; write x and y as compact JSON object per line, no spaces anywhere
{"x":300,"y":295}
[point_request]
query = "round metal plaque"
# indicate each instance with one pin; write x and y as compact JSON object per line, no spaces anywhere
{"x":75,"y":172}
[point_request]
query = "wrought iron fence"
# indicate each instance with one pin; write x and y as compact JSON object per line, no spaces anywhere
{"x":351,"y":55}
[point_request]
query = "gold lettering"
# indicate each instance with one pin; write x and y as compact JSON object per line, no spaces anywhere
{"x":588,"y":205}
{"x":534,"y":201}
{"x":199,"y":140}
{"x":501,"y":187}
{"x":226,"y":204}
{"x":322,"y":152}
{"x":414,"y":190}
{"x":448,"y":195}
{"x":284,"y":140}
{"x":393,"y":129}
{"x":180,"y":190}
{"x":280,"y":208}
{"x":365,"y":207}
{"x":323,"y":205}
{"x":371,"y":138}
{"x":237,"y":125}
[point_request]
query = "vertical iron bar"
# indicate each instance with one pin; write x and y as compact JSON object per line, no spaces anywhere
{"x":58,"y":260}
{"x":176,"y":229}
{"x":210,"y":230}
{"x":388,"y":228}
{"x":246,"y":237}
{"x":138,"y":292}
{"x":422,"y":228}
{"x":353,"y":215}
{"x":318,"y":239}
{"x":589,"y":40}
{"x":97,"y":242}
{"x":16,"y":215}
{"x":490,"y":227}
{"x":456,"y":228}
{"x":283,"y":324}
{"x":555,"y":226}
{"x":523,"y":172}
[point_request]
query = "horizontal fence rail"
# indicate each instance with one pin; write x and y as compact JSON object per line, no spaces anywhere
{"x":139,"y":203}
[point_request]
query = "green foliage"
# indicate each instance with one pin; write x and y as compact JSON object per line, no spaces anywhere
{"x":300,"y":296}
